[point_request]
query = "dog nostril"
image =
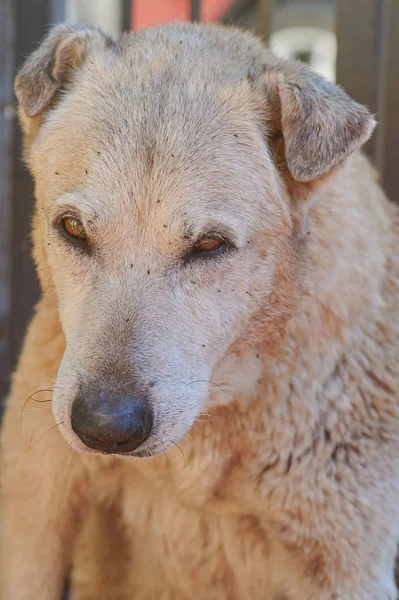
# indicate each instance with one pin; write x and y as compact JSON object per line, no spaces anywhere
{"x":121,"y":443}
{"x":123,"y":446}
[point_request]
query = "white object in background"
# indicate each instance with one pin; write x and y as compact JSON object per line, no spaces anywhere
{"x":316,"y":46}
{"x":106,"y":14}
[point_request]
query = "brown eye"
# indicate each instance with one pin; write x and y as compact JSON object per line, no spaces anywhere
{"x":209,"y":244}
{"x":73,"y":228}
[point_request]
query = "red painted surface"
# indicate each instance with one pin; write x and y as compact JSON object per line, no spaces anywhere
{"x":147,"y":13}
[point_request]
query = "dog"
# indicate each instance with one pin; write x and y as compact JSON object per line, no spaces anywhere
{"x":206,"y":404}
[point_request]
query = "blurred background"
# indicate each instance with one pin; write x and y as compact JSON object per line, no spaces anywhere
{"x":352,"y":42}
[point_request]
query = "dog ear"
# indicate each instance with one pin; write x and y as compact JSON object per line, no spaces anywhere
{"x":47,"y":69}
{"x":320,"y":124}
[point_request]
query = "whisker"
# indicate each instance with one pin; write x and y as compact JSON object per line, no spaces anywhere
{"x":255,"y":300}
{"x":205,"y":413}
{"x":37,"y":408}
{"x":41,"y":401}
{"x":203,"y":421}
{"x":181,"y":451}
{"x":32,"y":436}
{"x":48,"y":430}
{"x":31,"y":397}
{"x":42,"y":389}
{"x":205,"y":381}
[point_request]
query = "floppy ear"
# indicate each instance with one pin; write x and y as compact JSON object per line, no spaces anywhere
{"x":321,"y":125}
{"x":47,"y":69}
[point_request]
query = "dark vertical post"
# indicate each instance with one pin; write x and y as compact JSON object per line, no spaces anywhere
{"x":390,"y":101}
{"x":127,"y":8}
{"x":368,"y":53}
{"x":7,"y":118}
{"x":195,"y":12}
{"x":265,"y":12}
{"x":359,"y":50}
{"x":22,"y":26}
{"x":57,"y":11}
{"x":32,"y":19}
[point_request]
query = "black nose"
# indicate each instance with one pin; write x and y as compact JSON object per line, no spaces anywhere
{"x":115,"y":425}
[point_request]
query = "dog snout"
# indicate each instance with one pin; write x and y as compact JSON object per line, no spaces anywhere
{"x":111,"y":424}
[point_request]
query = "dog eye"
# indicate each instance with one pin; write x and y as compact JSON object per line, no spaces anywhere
{"x":209,"y":245}
{"x":73,"y":228}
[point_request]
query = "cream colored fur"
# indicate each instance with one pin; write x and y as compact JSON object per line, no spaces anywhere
{"x":275,"y":369}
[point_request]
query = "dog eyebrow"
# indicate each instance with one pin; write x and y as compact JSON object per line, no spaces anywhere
{"x":188,"y":231}
{"x":75,"y":202}
{"x":220,"y":229}
{"x":212,"y":228}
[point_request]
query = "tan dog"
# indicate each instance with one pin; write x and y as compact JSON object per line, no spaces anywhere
{"x":220,"y":273}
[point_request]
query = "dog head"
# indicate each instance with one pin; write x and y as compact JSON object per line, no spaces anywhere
{"x":170,"y":169}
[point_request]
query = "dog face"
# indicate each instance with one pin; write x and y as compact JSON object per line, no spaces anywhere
{"x":166,"y":221}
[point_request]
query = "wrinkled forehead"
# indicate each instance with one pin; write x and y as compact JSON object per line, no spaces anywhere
{"x":153,"y":137}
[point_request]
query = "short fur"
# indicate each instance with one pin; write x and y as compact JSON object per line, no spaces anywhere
{"x":272,"y":370}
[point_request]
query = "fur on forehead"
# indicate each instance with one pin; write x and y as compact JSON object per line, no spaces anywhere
{"x":319,"y":124}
